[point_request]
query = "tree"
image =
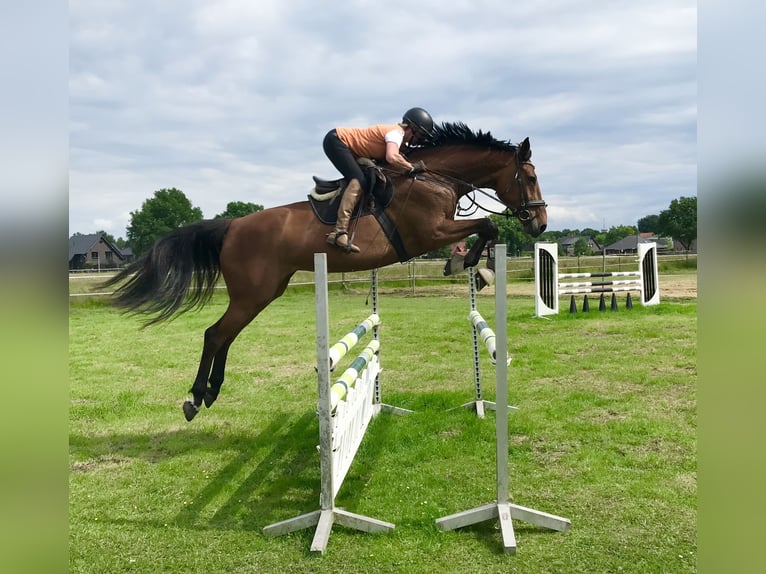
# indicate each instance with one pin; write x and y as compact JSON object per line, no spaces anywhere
{"x":589,"y":232}
{"x":444,"y":252}
{"x":679,"y":221}
{"x":550,"y":236}
{"x":618,"y":232}
{"x":167,"y":210}
{"x":239,"y":209}
{"x":648,"y":224}
{"x":581,"y":247}
{"x":511,"y":233}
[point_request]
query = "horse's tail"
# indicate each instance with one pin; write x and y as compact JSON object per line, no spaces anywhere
{"x":177,"y":274}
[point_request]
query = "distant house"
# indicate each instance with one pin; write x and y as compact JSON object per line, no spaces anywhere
{"x":628,"y":245}
{"x":127,"y":254}
{"x":94,"y":251}
{"x":567,"y":245}
{"x":679,"y":248}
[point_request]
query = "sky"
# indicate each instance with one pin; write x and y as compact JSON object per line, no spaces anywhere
{"x":230,"y":100}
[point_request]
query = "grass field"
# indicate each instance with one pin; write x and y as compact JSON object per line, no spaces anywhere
{"x":605,"y":436}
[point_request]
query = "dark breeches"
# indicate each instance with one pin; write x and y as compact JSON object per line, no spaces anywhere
{"x":342,"y":158}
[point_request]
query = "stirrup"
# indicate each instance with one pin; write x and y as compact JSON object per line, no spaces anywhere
{"x":348,"y":248}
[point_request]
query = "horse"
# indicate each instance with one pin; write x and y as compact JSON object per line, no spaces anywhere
{"x":257,"y":254}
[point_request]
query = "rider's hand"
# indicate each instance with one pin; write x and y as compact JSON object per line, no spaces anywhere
{"x":417,"y":167}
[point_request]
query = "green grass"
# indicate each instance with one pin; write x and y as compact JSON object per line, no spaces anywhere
{"x":605,"y":436}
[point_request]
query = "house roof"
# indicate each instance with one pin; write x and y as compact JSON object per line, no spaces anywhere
{"x":629,"y":242}
{"x":566,"y":241}
{"x":80,"y":244}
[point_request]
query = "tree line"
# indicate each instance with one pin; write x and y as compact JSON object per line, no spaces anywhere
{"x":170,"y":208}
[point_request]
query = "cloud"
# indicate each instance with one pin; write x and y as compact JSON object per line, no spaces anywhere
{"x":229,"y":101}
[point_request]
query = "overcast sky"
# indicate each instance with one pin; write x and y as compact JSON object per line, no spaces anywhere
{"x":229,"y":100}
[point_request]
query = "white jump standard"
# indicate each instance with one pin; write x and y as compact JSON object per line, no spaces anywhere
{"x":549,"y":287}
{"x":502,"y":508}
{"x":345,"y":409}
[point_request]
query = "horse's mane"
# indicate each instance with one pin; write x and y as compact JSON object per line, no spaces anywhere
{"x":457,"y":133}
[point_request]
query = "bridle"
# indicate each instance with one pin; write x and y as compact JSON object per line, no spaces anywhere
{"x":522,"y":212}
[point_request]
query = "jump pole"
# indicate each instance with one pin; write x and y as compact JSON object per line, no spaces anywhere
{"x":333,"y":467}
{"x":480,"y":331}
{"x":502,"y":508}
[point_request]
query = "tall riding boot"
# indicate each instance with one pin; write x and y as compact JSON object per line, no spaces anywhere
{"x":348,"y":201}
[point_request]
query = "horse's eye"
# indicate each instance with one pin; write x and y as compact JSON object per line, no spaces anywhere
{"x":532,"y":179}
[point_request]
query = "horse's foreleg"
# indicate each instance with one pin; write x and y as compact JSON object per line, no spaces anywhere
{"x":451,"y":231}
{"x":488,"y":234}
{"x":474,"y":254}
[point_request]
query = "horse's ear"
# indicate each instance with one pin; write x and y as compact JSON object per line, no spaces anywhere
{"x":525,"y":150}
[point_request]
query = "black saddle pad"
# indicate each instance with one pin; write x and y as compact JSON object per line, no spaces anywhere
{"x":380,"y":198}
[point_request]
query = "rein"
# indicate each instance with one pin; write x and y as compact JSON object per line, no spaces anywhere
{"x":521,"y":212}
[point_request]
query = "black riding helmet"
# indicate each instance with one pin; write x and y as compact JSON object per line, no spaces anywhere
{"x":420,"y":119}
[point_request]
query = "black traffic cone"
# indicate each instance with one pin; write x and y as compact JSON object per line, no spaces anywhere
{"x":614,"y":302}
{"x":629,"y":302}
{"x":585,"y":305}
{"x":601,"y":303}
{"x":572,"y":305}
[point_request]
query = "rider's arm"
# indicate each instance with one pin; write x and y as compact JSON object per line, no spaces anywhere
{"x":395,"y":158}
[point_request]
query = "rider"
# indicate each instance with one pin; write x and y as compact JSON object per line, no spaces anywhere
{"x":343,"y":146}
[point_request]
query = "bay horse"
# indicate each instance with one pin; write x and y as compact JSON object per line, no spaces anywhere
{"x":258,"y":254}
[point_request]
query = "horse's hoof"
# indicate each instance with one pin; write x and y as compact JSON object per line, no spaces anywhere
{"x":210,"y":399}
{"x":484,"y":277}
{"x":190,"y":411}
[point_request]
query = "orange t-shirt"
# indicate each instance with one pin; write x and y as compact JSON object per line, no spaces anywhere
{"x":369,"y":142}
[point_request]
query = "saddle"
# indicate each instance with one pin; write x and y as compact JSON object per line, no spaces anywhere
{"x":325,"y":200}
{"x":326,"y":194}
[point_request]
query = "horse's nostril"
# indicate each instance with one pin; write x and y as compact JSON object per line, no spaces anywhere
{"x":542,"y":228}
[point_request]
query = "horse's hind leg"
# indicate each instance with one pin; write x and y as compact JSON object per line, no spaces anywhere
{"x":210,"y":348}
{"x":217,"y":374}
{"x":218,"y":339}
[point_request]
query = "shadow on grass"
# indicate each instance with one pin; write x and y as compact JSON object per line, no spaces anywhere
{"x":435,"y":412}
{"x":267,"y":477}
{"x":259,"y":496}
{"x":256,"y":500}
{"x":275,"y":474}
{"x":488,"y":534}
